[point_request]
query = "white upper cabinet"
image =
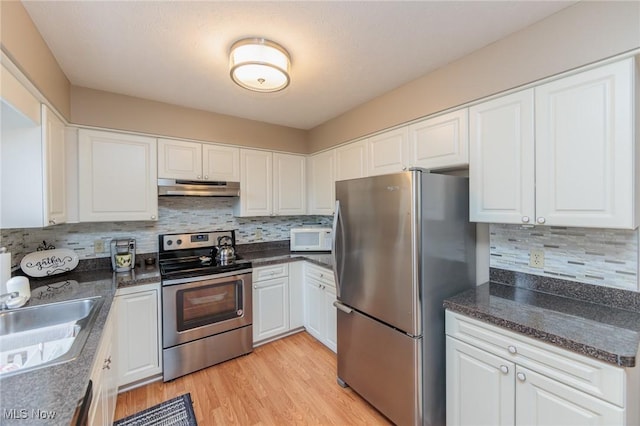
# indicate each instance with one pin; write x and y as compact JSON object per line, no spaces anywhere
{"x":220,"y":163}
{"x":289,"y":184}
{"x":579,"y":171}
{"x":197,"y":161}
{"x":321,"y":183}
{"x":501,"y":170}
{"x":440,"y":142}
{"x":585,"y":150}
{"x":352,"y":160}
{"x":271,"y":184}
{"x":256,"y":184}
{"x":117,"y":177}
{"x":33,"y":167}
{"x":179,"y":160}
{"x":55,"y":193}
{"x":388,"y":152}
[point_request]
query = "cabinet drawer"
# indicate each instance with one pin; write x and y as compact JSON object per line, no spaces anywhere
{"x":268,"y":272}
{"x":319,"y":273}
{"x":589,"y":375}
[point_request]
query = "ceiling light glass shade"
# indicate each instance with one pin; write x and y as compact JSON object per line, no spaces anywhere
{"x":259,"y":65}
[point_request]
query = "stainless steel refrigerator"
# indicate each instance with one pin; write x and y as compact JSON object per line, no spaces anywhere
{"x":402,"y":244}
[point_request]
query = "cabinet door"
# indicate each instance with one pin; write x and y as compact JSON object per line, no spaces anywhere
{"x":585,"y":149}
{"x":117,"y":177}
{"x":296,"y":295}
{"x":270,"y":308}
{"x":138,"y":336}
{"x":480,"y":387}
{"x":541,"y":401}
{"x":179,"y":160}
{"x":256,"y":184}
{"x":53,"y":145}
{"x":351,"y":160}
{"x":313,"y":308}
{"x":289,"y":185}
{"x":104,"y":375}
{"x":220,"y":163}
{"x":331,"y":319}
{"x":440,"y":142}
{"x":321,"y":183}
{"x":501,"y":160}
{"x":388,"y":152}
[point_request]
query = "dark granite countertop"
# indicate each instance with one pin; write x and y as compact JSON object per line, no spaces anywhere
{"x":59,"y":388}
{"x":582,"y":324}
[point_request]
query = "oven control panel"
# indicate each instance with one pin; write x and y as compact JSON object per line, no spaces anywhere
{"x":170,"y":242}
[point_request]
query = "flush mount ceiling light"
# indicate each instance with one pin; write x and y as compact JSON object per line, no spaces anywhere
{"x":259,"y":65}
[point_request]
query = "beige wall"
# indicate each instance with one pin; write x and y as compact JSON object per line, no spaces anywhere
{"x":104,"y":109}
{"x":22,"y":42}
{"x":576,"y":36}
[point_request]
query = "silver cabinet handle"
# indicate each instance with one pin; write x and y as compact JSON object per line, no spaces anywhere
{"x":521,"y":377}
{"x":52,"y":222}
{"x":107,"y":364}
{"x":541,"y":220}
{"x":504,"y":369}
{"x":342,"y":308}
{"x":512,"y":349}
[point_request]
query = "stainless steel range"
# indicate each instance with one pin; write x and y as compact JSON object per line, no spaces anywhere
{"x":206,"y":301}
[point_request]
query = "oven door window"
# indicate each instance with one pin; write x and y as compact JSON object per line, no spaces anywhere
{"x":209,"y":304}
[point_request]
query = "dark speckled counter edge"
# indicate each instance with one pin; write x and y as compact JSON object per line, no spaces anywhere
{"x":599,"y":295}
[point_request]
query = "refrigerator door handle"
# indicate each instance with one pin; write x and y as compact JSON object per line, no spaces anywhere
{"x":343,"y":308}
{"x":338,"y":261}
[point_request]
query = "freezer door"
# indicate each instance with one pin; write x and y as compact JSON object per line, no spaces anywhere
{"x":376,"y":240}
{"x":382,"y":365}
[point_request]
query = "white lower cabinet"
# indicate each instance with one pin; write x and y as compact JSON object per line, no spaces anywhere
{"x":275,"y":306}
{"x":496,"y":377}
{"x":138,"y":335}
{"x":320,"y":317}
{"x":104,"y":375}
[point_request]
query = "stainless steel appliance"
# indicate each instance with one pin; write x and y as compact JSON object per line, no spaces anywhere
{"x":206,"y":305}
{"x":123,"y":254}
{"x":402,"y":244}
{"x":198,"y":188}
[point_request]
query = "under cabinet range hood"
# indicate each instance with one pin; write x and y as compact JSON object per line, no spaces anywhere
{"x":197,"y":188}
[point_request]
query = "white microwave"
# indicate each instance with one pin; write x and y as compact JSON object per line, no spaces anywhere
{"x":311,"y":239}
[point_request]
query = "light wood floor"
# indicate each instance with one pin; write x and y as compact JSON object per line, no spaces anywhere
{"x":289,"y":381}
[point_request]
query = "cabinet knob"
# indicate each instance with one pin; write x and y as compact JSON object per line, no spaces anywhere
{"x":504,"y":369}
{"x":521,"y":376}
{"x":153,"y":217}
{"x":512,"y":350}
{"x":525,"y":219}
{"x":199,"y":177}
{"x":541,"y":220}
{"x":206,"y":177}
{"x":255,"y":286}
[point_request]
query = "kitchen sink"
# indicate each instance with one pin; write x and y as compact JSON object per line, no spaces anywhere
{"x":45,"y":335}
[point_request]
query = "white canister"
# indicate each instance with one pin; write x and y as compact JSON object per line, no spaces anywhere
{"x":21,"y":285}
{"x":5,"y":269}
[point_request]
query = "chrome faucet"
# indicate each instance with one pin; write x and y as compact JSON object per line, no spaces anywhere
{"x":6,"y":297}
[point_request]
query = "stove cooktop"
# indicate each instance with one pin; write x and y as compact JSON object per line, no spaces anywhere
{"x":194,"y":254}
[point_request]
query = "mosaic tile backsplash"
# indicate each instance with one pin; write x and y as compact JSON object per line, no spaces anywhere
{"x":176,"y":214}
{"x":607,"y":257}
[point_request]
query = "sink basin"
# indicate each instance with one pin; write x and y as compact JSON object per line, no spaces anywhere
{"x":45,"y":335}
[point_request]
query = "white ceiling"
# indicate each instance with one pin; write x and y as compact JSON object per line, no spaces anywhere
{"x":344,"y":53}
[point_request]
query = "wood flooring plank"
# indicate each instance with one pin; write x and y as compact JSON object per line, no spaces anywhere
{"x":288,"y":381}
